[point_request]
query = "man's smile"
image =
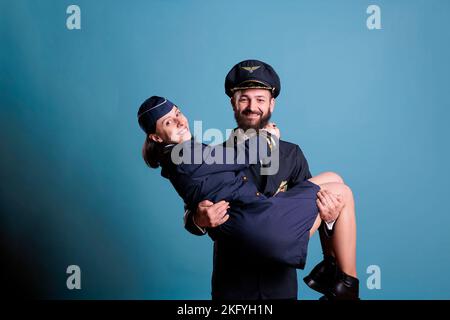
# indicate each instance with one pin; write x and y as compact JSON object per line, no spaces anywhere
{"x":251,"y":114}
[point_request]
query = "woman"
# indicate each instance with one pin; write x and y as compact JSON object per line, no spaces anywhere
{"x":278,"y":227}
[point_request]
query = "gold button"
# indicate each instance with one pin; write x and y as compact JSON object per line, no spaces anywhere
{"x":244,"y":178}
{"x":258,"y":194}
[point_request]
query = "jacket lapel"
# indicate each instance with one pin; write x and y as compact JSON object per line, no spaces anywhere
{"x":273,"y":181}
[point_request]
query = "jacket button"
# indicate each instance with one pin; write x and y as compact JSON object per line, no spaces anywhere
{"x":244,"y":178}
{"x":258,"y":194}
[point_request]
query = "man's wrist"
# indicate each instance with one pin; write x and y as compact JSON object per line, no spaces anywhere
{"x":190,"y":224}
{"x":203,"y":230}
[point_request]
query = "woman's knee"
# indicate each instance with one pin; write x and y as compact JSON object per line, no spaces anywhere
{"x":327,"y":177}
{"x":338,"y":188}
{"x":347,"y":191}
{"x":334,"y":177}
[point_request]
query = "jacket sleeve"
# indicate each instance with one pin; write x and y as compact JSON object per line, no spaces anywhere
{"x":214,"y":161}
{"x":301,"y":171}
{"x":217,"y":159}
{"x":189,"y":223}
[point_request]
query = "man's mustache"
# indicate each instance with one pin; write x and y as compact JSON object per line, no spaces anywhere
{"x":249,"y":111}
{"x":243,"y":123}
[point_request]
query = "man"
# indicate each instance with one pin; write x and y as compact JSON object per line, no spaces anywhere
{"x":253,"y":87}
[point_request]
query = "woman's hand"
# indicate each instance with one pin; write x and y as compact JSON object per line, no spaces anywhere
{"x":273,"y":129}
{"x":330,"y":205}
{"x":210,"y":215}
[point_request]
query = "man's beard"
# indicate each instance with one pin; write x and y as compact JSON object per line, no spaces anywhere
{"x":244,"y":125}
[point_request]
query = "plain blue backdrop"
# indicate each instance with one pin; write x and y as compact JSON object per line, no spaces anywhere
{"x":372,"y":105}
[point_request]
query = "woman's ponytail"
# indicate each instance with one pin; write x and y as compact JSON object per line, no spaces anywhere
{"x":152,"y":153}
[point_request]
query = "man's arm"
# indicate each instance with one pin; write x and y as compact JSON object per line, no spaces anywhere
{"x":329,"y":205}
{"x":301,"y":171}
{"x":189,"y":223}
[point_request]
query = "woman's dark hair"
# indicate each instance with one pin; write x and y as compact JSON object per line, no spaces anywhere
{"x":152,"y":152}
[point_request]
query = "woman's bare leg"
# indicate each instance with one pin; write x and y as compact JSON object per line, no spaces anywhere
{"x":315,"y":226}
{"x":343,"y":242}
{"x":326,"y":177}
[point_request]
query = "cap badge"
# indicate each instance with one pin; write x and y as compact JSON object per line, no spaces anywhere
{"x":251,"y":69}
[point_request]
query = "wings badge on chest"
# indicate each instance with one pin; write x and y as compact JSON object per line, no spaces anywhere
{"x":282,"y":188}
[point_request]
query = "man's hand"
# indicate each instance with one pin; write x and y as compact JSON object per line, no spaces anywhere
{"x":210,"y":215}
{"x":330,"y":205}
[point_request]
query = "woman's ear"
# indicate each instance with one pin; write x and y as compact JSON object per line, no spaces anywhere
{"x":155,"y":137}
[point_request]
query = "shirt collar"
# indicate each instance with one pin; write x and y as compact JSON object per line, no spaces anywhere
{"x":239,"y":137}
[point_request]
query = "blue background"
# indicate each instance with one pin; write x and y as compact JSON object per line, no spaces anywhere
{"x":372,"y":105}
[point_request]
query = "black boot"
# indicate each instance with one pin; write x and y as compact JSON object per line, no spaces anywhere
{"x":345,"y":287}
{"x":323,"y":276}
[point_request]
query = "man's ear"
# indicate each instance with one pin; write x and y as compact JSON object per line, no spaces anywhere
{"x":272,"y":104}
{"x":232,"y":101}
{"x":155,"y":137}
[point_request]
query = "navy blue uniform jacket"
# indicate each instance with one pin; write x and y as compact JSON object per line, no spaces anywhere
{"x":249,"y":264}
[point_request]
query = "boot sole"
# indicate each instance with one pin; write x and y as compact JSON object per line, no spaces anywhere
{"x":310,"y":282}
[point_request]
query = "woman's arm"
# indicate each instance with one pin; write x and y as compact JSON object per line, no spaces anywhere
{"x":206,"y":160}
